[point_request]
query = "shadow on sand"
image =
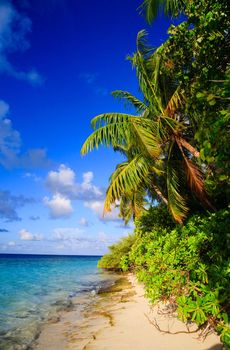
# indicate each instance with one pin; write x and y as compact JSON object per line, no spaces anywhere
{"x":216,"y":347}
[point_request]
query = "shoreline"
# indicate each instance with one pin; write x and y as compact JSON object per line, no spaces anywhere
{"x":120,"y":317}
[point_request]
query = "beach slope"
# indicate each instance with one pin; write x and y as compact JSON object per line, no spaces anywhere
{"x":132,"y":329}
{"x":120,"y":317}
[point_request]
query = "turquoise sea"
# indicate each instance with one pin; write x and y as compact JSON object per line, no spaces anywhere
{"x":34,"y":288}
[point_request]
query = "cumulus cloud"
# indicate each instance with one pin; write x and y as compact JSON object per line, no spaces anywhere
{"x":10,"y":146}
{"x":63,"y":181}
{"x":9,"y":205}
{"x":59,"y":205}
{"x":11,"y":244}
{"x":14,"y":28}
{"x":28,"y":236}
{"x":64,"y":187}
{"x":98,"y":206}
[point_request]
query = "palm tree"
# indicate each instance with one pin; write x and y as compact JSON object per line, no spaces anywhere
{"x":152,"y":7}
{"x":154,"y":141}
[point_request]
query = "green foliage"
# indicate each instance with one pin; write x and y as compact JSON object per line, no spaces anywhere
{"x":197,"y":57}
{"x":117,"y":258}
{"x":153,"y":7}
{"x":191,"y":263}
{"x":157,"y":144}
{"x":188,"y":264}
{"x":183,"y":116}
{"x":157,"y":217}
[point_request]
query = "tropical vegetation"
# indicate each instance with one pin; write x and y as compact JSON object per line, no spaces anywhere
{"x":175,"y":178}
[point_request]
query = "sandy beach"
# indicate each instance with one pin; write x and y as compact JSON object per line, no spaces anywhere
{"x":121,"y":318}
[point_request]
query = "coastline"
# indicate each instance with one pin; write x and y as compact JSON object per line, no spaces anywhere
{"x":120,"y":317}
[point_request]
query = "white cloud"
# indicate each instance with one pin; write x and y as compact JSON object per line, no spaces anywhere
{"x":13,"y":30}
{"x":60,"y":206}
{"x":64,"y":187}
{"x":75,"y":239}
{"x":28,"y":236}
{"x":87,"y":179}
{"x":98,"y":206}
{"x":63,"y":181}
{"x":67,"y":233}
{"x":11,"y":244}
{"x":83,"y":222}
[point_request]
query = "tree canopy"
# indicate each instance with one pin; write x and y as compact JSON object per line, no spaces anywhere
{"x":172,"y":144}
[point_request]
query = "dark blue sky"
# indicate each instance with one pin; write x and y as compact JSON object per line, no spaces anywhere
{"x":59,"y":61}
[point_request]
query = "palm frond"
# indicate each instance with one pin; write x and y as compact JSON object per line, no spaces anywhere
{"x":108,"y":118}
{"x":148,"y":140}
{"x":126,"y":179}
{"x":176,"y":203}
{"x":117,"y":129}
{"x":176,"y":100}
{"x":130,"y":99}
{"x":151,"y":8}
{"x":140,"y":61}
{"x":143,"y":46}
{"x":195,"y":179}
{"x":132,"y":205}
{"x":147,"y":85}
{"x":108,"y":135}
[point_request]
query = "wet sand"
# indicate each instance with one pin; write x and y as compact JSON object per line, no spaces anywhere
{"x":120,"y":317}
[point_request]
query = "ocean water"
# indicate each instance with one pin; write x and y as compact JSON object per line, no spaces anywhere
{"x":34,"y":288}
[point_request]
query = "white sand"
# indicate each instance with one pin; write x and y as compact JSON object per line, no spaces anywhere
{"x":121,"y":322}
{"x":133,"y":331}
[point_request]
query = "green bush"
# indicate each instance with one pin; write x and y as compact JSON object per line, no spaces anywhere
{"x":117,"y":258}
{"x":189,"y":264}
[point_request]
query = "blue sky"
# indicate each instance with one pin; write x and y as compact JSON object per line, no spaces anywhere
{"x":59,"y":61}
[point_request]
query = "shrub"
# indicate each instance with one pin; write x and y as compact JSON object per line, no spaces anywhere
{"x":191,"y":263}
{"x":117,"y":258}
{"x":187,"y":264}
